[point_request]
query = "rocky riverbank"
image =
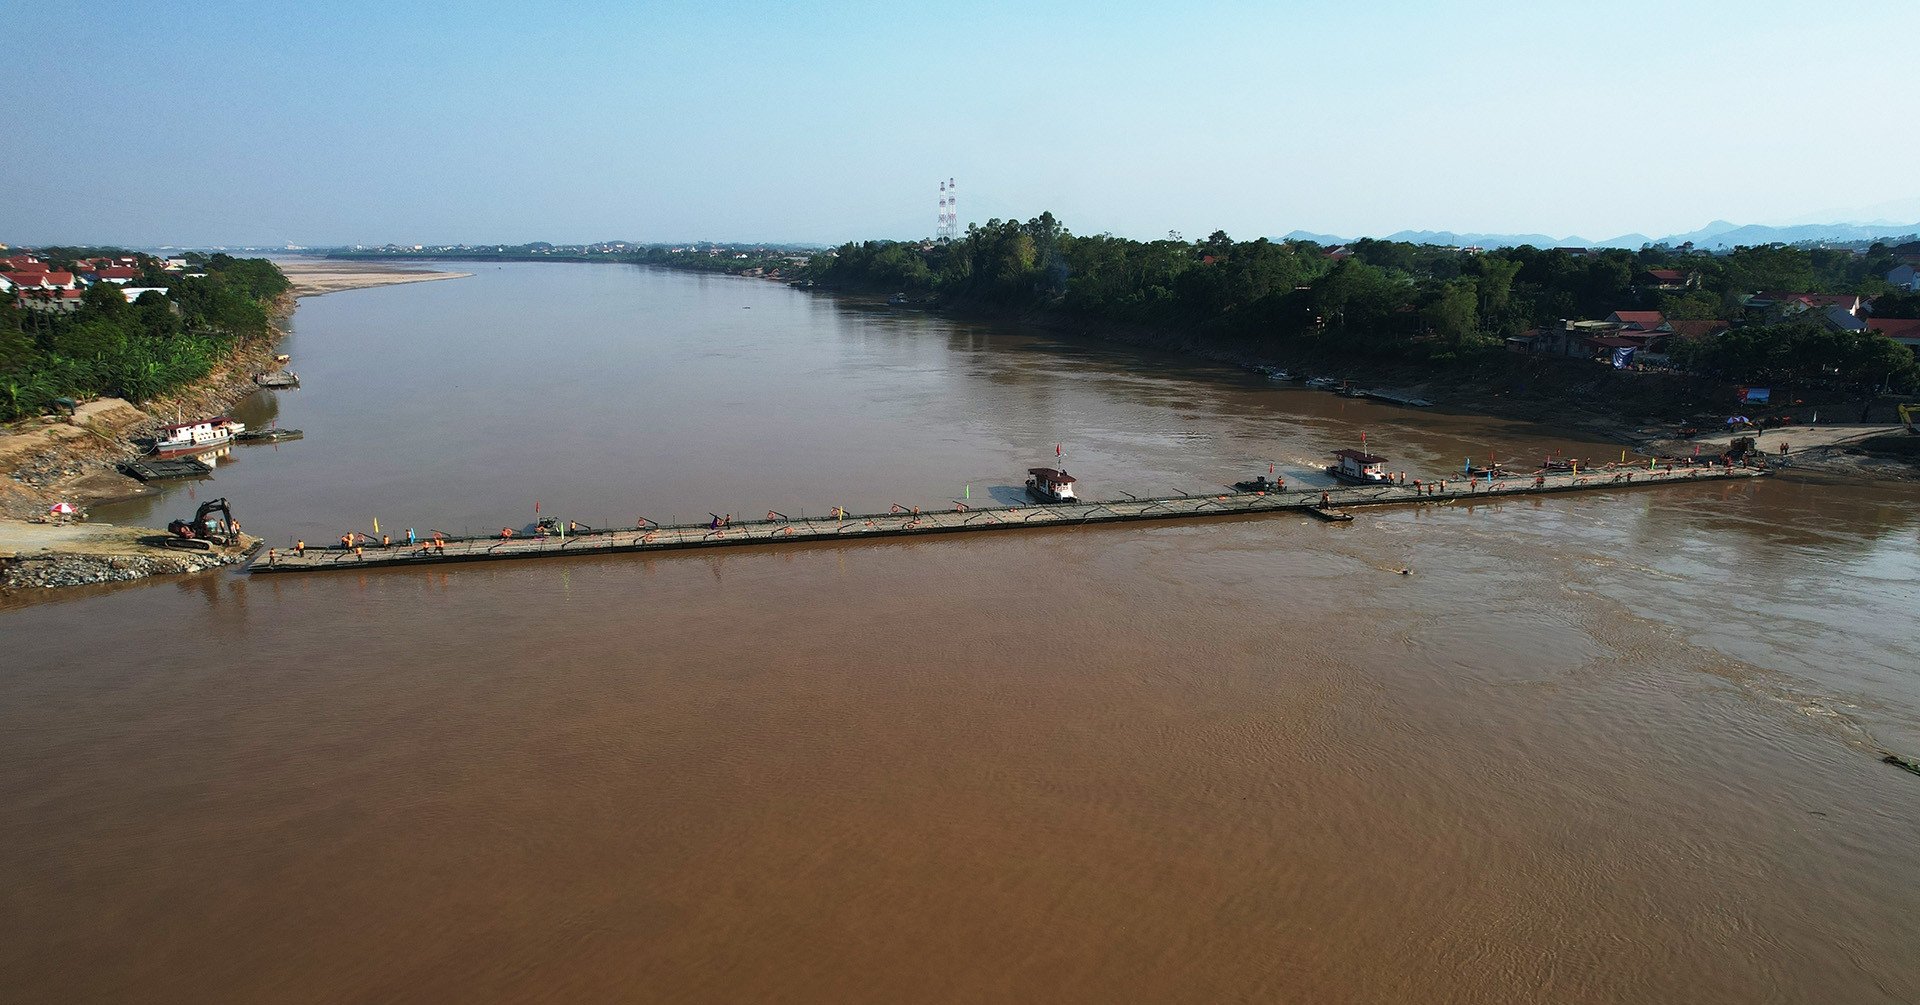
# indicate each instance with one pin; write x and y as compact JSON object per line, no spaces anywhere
{"x":35,"y":556}
{"x":57,"y":569}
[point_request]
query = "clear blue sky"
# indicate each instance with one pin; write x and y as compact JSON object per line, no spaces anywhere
{"x":368,"y":123}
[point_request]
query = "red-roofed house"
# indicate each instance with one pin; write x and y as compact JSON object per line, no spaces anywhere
{"x":41,"y":280}
{"x":1645,"y":321}
{"x":121,"y":274}
{"x":1849,"y":302}
{"x":1697,"y":329}
{"x":1781,"y":304}
{"x":1666,"y":279}
{"x":22,"y":263}
{"x":1905,"y":331}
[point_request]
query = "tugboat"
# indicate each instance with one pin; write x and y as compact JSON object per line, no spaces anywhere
{"x":1050,"y":485}
{"x":204,"y":434}
{"x":1359,"y":467}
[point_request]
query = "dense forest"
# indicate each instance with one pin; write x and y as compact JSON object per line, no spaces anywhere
{"x":1386,"y":300}
{"x":133,"y":350}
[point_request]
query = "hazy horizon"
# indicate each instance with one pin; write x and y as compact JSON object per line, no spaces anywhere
{"x":356,"y":124}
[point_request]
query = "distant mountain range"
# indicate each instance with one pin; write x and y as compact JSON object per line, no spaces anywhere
{"x":1718,"y":234}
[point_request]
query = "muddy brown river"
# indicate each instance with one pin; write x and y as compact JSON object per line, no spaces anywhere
{"x":1614,"y":747}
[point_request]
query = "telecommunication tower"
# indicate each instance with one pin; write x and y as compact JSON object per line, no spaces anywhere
{"x":949,"y":227}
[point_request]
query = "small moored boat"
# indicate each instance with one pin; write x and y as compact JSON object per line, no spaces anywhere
{"x":273,"y":435}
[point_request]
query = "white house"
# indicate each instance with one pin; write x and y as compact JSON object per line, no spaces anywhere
{"x":133,"y":292}
{"x":1907,"y":277}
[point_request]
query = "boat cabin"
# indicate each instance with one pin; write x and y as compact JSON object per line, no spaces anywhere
{"x":1359,"y":466}
{"x":1050,"y":484}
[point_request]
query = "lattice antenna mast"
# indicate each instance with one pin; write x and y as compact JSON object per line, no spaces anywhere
{"x":953,"y":210}
{"x":949,"y":226}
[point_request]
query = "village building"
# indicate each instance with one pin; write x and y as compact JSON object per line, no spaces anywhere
{"x":1644,"y":321}
{"x":1668,"y":280}
{"x":1905,"y":331}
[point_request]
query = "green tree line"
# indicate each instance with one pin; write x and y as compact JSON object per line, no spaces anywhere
{"x":136,"y":350}
{"x":1381,"y":299}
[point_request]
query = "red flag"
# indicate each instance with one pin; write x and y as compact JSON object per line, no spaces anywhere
{"x":536,"y":505}
{"x":1056,"y":450}
{"x":1363,"y":438}
{"x":1269,"y":467}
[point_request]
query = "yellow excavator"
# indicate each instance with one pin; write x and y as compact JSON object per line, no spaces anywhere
{"x":1907,"y":412}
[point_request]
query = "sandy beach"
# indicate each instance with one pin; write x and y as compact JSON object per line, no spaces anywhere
{"x":314,"y":277}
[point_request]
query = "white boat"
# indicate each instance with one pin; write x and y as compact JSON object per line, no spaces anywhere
{"x":201,"y":434}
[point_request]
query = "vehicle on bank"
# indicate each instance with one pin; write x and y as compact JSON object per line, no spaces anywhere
{"x":212,"y":524}
{"x":1050,"y":485}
